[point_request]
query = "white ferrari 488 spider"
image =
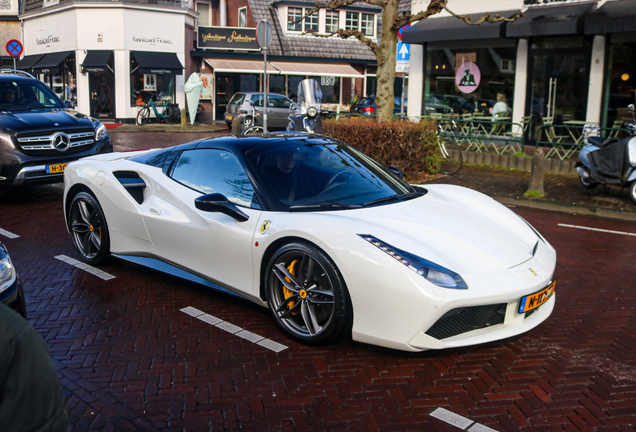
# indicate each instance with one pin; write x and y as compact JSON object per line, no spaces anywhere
{"x":335,"y":244}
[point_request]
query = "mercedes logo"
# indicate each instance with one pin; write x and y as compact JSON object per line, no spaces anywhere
{"x":61,"y":141}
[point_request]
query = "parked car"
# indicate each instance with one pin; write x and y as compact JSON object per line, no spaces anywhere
{"x":366,"y":106}
{"x":332,"y":242}
{"x":277,"y":109}
{"x":40,"y":134}
{"x":11,"y":292}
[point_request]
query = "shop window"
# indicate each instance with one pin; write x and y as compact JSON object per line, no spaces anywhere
{"x":204,"y":13}
{"x":311,"y":22}
{"x":332,"y":21}
{"x":366,"y":24}
{"x":242,"y":17}
{"x":352,"y":21}
{"x":488,"y":80}
{"x":330,"y":86}
{"x":277,"y":84}
{"x":294,"y":81}
{"x":620,"y":80}
{"x":293,"y":15}
{"x":143,"y":87}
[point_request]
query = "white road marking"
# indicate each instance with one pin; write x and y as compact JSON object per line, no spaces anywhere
{"x":87,"y":268}
{"x":459,"y":421}
{"x":235,"y":330}
{"x":597,"y":229}
{"x":8,"y":234}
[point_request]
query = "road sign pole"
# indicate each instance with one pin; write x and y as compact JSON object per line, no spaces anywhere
{"x":264,"y":38}
{"x":265,"y":92}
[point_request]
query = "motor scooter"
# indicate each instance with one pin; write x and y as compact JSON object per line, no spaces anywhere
{"x":610,"y":160}
{"x":306,"y":116}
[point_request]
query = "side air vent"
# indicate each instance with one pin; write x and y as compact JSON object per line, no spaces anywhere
{"x":134,"y":184}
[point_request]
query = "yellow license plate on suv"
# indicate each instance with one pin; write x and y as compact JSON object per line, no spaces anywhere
{"x":535,"y":300}
{"x":55,"y":169}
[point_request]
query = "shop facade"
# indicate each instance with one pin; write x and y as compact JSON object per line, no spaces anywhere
{"x":565,"y":61}
{"x":109,"y":58}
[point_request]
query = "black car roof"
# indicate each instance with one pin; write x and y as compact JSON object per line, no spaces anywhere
{"x":242,"y":144}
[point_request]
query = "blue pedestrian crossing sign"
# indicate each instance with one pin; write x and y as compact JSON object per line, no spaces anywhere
{"x":403,"y":52}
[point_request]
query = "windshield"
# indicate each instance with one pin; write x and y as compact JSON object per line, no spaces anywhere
{"x":309,"y":94}
{"x":27,"y":94}
{"x":324,"y":174}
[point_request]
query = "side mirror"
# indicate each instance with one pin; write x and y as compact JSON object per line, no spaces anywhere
{"x":68,"y":104}
{"x":218,"y":203}
{"x":396,"y":172}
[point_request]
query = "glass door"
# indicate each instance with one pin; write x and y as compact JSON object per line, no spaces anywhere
{"x":102,"y":86}
{"x":558,"y":86}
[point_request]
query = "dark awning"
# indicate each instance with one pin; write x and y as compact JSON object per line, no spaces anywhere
{"x":158,"y":63}
{"x":551,"y":20}
{"x":612,"y":17}
{"x":451,"y":28}
{"x":51,"y":62}
{"x":96,"y":61}
{"x":27,"y":62}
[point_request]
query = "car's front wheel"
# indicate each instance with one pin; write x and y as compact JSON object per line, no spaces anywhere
{"x":307,"y":295}
{"x":88,"y":228}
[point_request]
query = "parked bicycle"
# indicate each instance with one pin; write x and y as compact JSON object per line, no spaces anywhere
{"x":163,"y":111}
{"x":451,"y":152}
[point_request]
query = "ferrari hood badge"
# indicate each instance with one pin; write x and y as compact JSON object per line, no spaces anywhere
{"x":265,"y":225}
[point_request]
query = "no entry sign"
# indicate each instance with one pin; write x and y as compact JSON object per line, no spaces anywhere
{"x":14,"y":48}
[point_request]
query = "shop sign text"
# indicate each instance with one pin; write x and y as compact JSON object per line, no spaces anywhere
{"x":152,"y":41}
{"x":47,"y":40}
{"x":236,"y":38}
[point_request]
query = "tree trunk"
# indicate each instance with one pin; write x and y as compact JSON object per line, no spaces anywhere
{"x":387,"y":57}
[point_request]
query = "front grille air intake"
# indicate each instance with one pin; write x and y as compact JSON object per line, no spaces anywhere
{"x":462,"y":320}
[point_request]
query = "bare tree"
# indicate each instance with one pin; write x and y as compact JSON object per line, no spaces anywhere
{"x":385,"y":52}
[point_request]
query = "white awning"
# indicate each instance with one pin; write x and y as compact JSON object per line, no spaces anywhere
{"x":284,"y":68}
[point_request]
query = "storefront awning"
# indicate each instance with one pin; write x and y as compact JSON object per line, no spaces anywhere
{"x":283,"y":68}
{"x":158,"y":63}
{"x":27,"y":62}
{"x":97,"y":61}
{"x":551,"y":21}
{"x":451,"y":28}
{"x":51,"y":62}
{"x":612,"y":17}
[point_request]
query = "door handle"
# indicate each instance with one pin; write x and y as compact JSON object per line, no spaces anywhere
{"x":154,"y":211}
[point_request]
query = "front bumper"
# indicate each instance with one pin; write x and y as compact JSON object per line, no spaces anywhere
{"x":18,"y":169}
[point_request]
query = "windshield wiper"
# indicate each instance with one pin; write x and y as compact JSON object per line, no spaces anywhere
{"x":324,"y":206}
{"x":394,"y":198}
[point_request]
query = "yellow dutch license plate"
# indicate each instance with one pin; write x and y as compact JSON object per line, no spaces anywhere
{"x":55,"y":169}
{"x":535,"y":300}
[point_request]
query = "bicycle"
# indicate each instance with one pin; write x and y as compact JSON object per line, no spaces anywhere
{"x":249,"y":123}
{"x":451,"y":153}
{"x":165,"y":115}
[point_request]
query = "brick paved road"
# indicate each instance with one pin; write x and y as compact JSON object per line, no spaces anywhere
{"x":130,"y":360}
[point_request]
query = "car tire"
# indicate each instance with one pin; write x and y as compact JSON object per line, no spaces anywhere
{"x":88,"y":228}
{"x":313,"y":305}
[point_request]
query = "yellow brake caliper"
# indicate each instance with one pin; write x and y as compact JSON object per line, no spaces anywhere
{"x":288,"y":293}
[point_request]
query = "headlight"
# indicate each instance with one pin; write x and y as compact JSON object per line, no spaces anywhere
{"x":7,"y":273}
{"x":6,"y":139}
{"x":100,"y":131}
{"x":312,"y":112}
{"x":434,"y":273}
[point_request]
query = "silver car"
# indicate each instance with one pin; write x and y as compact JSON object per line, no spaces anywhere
{"x":277,"y":109}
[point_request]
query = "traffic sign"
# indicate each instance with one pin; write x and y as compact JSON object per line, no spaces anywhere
{"x":264,"y":34}
{"x":403,"y":52}
{"x":14,"y":48}
{"x":401,"y":30}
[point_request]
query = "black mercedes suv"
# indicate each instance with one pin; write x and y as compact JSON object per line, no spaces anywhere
{"x":40,"y":134}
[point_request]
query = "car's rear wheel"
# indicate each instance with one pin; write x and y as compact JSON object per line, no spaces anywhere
{"x":88,"y":228}
{"x":307,"y":295}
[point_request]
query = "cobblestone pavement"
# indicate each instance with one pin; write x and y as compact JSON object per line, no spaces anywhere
{"x":130,"y":360}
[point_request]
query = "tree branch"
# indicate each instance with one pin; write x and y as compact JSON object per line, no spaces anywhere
{"x":487,"y":17}
{"x":345,"y":34}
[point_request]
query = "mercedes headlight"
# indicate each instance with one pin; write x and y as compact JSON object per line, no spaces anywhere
{"x":7,"y":272}
{"x":100,"y":131}
{"x":434,"y":273}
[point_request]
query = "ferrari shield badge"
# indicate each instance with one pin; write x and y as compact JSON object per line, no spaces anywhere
{"x":265,"y":225}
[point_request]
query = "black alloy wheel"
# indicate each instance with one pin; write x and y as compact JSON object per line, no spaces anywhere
{"x":88,"y":228}
{"x":307,"y":295}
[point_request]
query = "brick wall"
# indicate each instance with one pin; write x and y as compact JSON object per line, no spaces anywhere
{"x":233,"y":7}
